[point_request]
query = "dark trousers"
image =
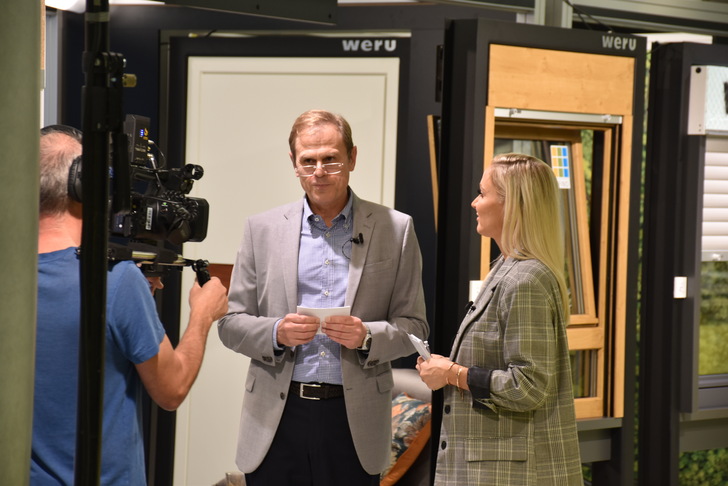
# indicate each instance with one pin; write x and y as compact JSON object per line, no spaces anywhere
{"x":312,"y":447}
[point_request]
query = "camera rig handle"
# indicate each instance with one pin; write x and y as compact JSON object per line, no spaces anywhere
{"x":203,"y":275}
{"x":154,"y":260}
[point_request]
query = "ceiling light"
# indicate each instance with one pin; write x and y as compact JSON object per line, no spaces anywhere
{"x":78,"y":6}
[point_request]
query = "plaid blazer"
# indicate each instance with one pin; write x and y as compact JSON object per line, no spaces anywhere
{"x":517,"y":427}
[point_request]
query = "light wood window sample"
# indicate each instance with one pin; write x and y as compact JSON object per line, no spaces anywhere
{"x":563,"y":85}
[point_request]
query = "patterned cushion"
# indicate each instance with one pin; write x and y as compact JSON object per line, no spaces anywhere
{"x":410,"y":433}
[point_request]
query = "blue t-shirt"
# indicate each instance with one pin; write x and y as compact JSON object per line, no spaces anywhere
{"x":133,"y":335}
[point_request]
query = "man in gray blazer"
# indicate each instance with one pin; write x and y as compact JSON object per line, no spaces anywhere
{"x":317,"y":403}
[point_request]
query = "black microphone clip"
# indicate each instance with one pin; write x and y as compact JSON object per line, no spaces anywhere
{"x":359,"y":240}
{"x":469,"y":307}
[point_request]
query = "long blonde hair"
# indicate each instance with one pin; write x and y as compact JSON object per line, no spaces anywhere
{"x":532,"y":220}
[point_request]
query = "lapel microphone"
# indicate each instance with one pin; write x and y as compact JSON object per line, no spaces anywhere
{"x":359,"y":240}
{"x":469,"y":307}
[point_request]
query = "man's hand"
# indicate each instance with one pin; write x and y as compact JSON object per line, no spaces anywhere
{"x":348,"y":331}
{"x":209,"y":301}
{"x":155,"y":283}
{"x":296,"y":329}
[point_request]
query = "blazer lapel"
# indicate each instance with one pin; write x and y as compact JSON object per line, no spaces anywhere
{"x":289,"y":241}
{"x":364,"y":224}
{"x":482,"y":300}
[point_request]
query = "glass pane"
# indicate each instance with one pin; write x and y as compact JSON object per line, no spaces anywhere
{"x":559,"y":155}
{"x":584,"y":373}
{"x":562,"y":161}
{"x":713,"y":354}
{"x":587,"y":149}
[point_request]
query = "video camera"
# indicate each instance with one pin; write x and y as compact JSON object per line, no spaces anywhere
{"x":155,"y":206}
{"x":160,"y":210}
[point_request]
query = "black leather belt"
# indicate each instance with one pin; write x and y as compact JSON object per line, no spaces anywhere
{"x":316,"y":391}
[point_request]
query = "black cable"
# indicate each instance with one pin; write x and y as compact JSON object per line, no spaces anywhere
{"x":579,"y":12}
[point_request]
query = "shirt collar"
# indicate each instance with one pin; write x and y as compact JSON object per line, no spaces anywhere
{"x":344,"y":215}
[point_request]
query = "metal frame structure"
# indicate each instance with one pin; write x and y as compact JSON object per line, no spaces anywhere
{"x":674,"y":415}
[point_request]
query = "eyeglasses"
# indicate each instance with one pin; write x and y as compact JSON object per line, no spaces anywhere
{"x":307,"y":170}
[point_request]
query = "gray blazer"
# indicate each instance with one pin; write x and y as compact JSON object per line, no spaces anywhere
{"x":524,"y":431}
{"x":384,"y":290}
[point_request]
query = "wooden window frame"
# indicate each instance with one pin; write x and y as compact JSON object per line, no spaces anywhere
{"x":523,"y":79}
{"x":586,"y":331}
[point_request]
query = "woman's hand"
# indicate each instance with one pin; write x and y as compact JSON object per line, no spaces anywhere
{"x":435,"y":371}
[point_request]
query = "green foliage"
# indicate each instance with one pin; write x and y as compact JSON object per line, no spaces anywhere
{"x":704,"y":468}
{"x":713,"y":356}
{"x":586,"y":472}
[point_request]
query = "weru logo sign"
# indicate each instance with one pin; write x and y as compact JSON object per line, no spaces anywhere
{"x":369,"y":45}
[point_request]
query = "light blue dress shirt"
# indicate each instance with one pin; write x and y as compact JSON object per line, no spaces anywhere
{"x":323,"y":274}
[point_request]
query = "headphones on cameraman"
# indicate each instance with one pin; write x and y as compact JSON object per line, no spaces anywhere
{"x":74,"y":172}
{"x":74,"y":179}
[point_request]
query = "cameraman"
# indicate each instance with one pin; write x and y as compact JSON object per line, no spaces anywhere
{"x":137,"y":350}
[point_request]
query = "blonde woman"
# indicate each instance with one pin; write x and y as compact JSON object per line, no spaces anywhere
{"x":508,"y":416}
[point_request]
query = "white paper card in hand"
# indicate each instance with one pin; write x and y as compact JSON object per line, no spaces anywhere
{"x":323,"y":313}
{"x":420,"y":346}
